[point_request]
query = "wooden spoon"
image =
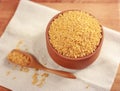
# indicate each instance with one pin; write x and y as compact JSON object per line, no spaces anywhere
{"x":26,"y":59}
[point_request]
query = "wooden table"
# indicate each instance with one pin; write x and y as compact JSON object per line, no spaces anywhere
{"x":107,"y":13}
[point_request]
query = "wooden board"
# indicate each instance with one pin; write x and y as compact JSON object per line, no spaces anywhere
{"x":106,"y":12}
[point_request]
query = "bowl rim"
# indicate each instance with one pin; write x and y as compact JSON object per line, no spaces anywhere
{"x":79,"y":58}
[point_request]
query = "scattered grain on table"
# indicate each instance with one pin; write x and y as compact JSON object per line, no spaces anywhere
{"x":8,"y":73}
{"x":20,"y":42}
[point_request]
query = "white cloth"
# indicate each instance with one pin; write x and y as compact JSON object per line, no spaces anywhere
{"x":29,"y":24}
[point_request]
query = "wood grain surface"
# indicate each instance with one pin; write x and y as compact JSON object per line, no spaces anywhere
{"x":107,"y":11}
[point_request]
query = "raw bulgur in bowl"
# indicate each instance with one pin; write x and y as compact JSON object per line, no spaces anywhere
{"x":74,"y":39}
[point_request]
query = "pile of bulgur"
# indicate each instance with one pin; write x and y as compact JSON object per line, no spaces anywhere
{"x":18,"y":58}
{"x":75,"y":34}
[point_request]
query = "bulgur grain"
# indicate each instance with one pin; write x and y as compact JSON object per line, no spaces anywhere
{"x":38,"y":79}
{"x":20,"y":42}
{"x":14,"y":78}
{"x":75,"y":34}
{"x":35,"y":78}
{"x":42,"y":80}
{"x":24,"y":69}
{"x":8,"y":73}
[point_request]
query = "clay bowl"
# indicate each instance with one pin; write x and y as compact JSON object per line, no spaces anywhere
{"x":67,"y":62}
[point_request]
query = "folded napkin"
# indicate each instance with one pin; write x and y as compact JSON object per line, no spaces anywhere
{"x":27,"y":28}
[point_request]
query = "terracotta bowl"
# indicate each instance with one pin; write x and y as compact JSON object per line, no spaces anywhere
{"x":67,"y":62}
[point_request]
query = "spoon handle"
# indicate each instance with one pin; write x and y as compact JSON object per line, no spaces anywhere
{"x":61,"y":73}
